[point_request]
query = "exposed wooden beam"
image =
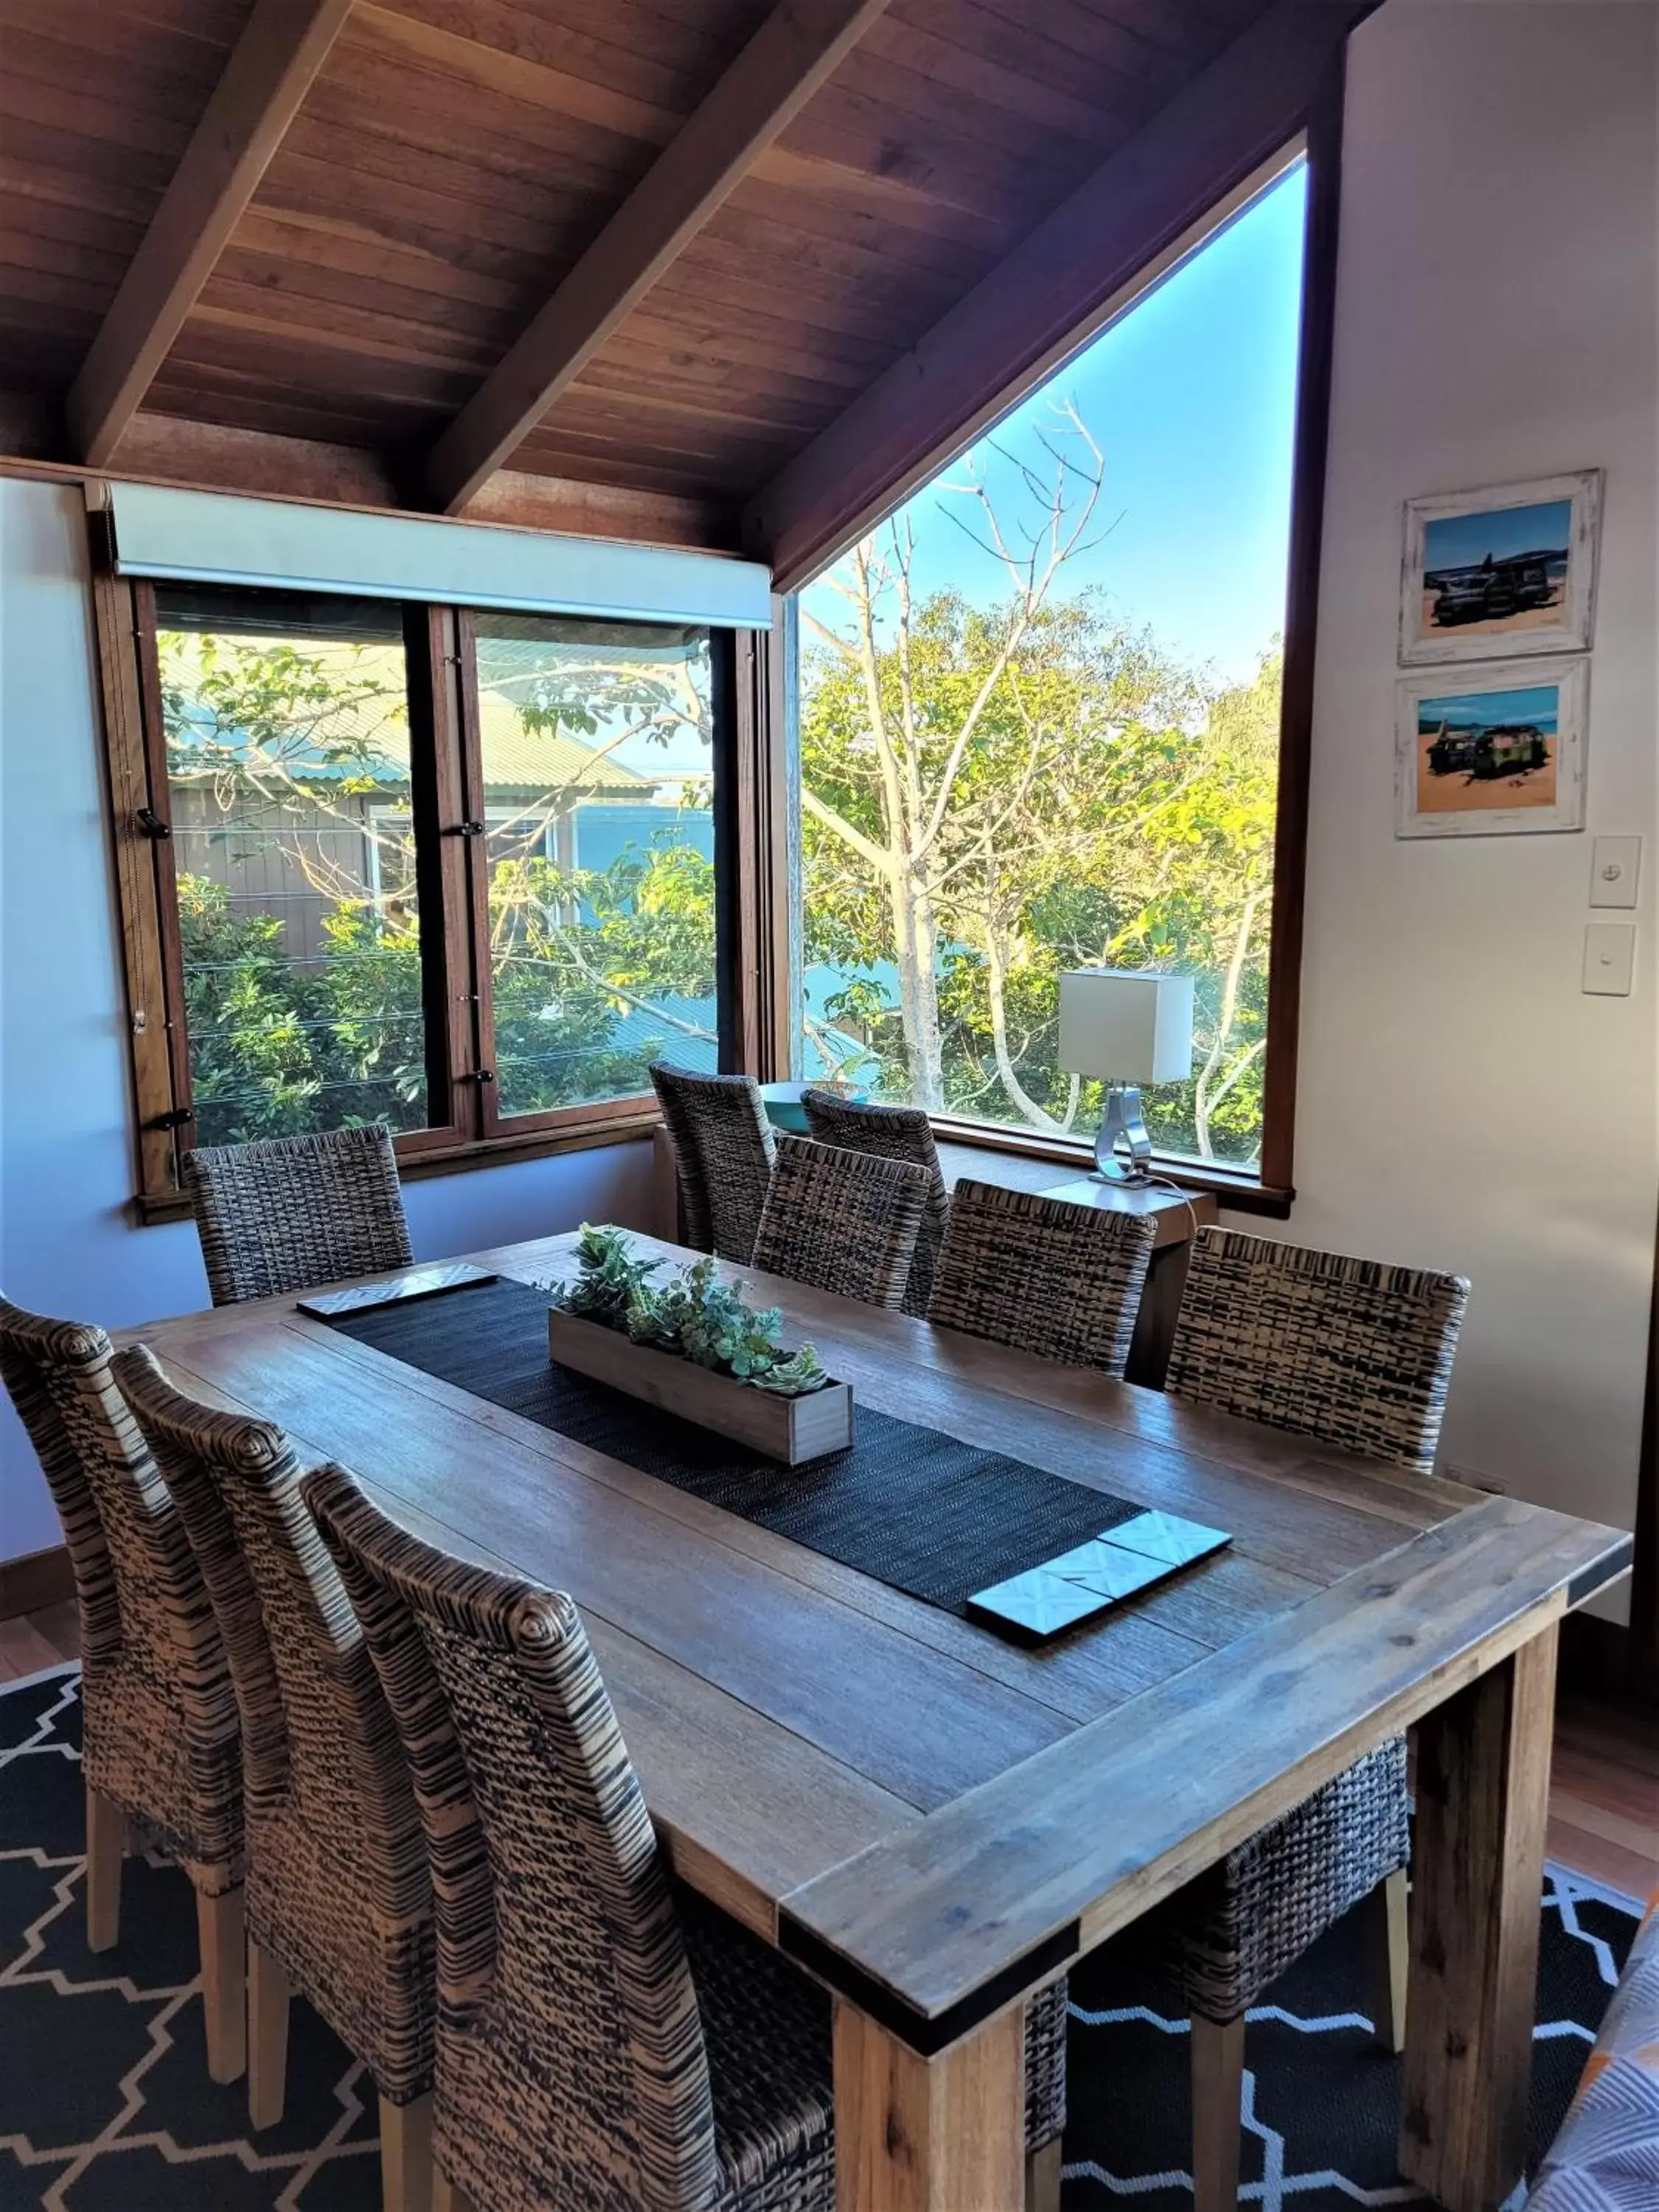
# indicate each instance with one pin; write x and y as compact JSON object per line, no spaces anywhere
{"x":1058,"y":284}
{"x":284,"y":46}
{"x":797,"y":48}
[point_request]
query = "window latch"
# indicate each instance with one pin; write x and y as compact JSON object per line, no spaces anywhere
{"x":465,"y":830}
{"x":152,"y":824}
{"x":482,"y":1075}
{"x":174,"y":1120}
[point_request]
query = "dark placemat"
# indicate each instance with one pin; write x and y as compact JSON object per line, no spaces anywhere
{"x":914,"y":1508}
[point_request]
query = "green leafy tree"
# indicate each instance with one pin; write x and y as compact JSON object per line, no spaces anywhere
{"x":287,"y":742}
{"x":993,"y":795}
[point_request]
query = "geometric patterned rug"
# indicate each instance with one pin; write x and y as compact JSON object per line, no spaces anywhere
{"x":106,"y":2105}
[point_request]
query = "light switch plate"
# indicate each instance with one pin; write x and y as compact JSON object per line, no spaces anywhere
{"x":1615,"y":871}
{"x":1609,"y":958}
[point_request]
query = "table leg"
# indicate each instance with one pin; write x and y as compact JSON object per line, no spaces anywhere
{"x":1483,"y":1765}
{"x":1155,"y":1321}
{"x":929,"y":2135}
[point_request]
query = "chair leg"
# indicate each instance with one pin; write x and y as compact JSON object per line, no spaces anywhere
{"x":224,"y":1983}
{"x":1217,"y":2093}
{"x":1043,"y":2177}
{"x":267,"y":2038}
{"x":1385,"y":1911}
{"x":406,"y":2178}
{"x":107,"y":1842}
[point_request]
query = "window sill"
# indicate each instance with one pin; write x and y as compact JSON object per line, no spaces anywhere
{"x":150,"y":1207}
{"x":1238,"y":1189}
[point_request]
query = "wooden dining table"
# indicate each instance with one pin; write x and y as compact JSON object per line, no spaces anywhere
{"x":933,"y":1821}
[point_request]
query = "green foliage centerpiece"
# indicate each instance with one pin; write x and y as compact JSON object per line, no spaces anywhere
{"x":695,"y":1345}
{"x":694,"y":1315}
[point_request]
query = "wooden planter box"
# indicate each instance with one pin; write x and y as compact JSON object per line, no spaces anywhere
{"x":789,"y":1429}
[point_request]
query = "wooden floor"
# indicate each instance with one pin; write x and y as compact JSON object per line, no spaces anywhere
{"x":1604,"y":1785}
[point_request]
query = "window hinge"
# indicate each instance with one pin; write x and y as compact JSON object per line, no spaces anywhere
{"x":480,"y":1075}
{"x":174,"y":1120}
{"x":464,"y":829}
{"x":152,"y":824}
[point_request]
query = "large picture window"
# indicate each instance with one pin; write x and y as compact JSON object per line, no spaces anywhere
{"x":1040,"y":725}
{"x":449,"y":870}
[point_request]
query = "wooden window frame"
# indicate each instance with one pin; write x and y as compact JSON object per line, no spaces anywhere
{"x":452,"y":880}
{"x":1269,"y":1188}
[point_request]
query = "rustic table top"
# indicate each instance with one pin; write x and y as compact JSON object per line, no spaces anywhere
{"x":926,"y":1815}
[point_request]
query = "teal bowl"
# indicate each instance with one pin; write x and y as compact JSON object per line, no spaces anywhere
{"x":784,"y":1109}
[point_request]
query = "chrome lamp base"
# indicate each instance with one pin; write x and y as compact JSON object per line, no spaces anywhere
{"x":1122,"y":1119}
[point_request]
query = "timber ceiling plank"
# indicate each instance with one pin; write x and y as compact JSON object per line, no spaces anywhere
{"x":1019,"y":320}
{"x":279,"y":53}
{"x":455,"y":175}
{"x":794,"y":51}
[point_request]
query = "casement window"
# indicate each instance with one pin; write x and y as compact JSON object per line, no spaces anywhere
{"x":457,"y":870}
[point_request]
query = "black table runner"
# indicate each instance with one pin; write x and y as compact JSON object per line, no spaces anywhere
{"x":921,"y":1511}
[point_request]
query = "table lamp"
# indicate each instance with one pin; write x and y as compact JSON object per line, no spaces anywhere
{"x":1128,"y":1028}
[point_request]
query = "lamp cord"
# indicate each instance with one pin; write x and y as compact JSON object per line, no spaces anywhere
{"x":1162,"y":1182}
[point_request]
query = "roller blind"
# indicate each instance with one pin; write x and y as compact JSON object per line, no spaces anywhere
{"x":208,"y":537}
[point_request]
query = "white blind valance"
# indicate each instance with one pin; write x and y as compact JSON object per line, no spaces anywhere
{"x":209,"y":537}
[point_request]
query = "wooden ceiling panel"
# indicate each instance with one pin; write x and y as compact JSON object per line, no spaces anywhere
{"x":342,"y":363}
{"x":301,"y":254}
{"x":381,"y":95}
{"x":438,"y":170}
{"x":640,"y":52}
{"x":1023,"y":48}
{"x":601,"y":461}
{"x":375,"y":175}
{"x":112,"y":88}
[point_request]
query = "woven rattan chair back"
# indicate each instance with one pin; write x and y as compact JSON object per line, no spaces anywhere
{"x":723,"y":1148}
{"x":294,"y":1212}
{"x":337,"y":1887}
{"x":1355,"y":1353}
{"x":896,"y":1132}
{"x":1048,"y":1277}
{"x":841,"y":1221}
{"x":161,"y":1740}
{"x":571,"y":2068}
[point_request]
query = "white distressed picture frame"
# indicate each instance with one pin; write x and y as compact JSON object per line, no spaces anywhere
{"x":1573,"y":632}
{"x":1572,"y":681}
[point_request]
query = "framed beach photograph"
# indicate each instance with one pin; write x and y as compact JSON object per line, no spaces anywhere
{"x":1489,"y":753}
{"x":1487,"y":574}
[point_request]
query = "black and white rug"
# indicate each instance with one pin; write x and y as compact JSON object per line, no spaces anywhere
{"x":106,"y":2105}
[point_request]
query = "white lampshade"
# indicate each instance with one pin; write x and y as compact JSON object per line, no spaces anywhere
{"x":1125,"y":1025}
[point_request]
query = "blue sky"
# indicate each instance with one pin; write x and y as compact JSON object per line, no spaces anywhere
{"x":1192,"y":398}
{"x":1530,"y":702}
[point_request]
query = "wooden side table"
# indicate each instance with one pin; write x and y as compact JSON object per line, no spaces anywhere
{"x":1175,"y":1215}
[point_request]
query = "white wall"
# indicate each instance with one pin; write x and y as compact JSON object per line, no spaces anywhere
{"x":67,"y":1245}
{"x":1462,"y":1105}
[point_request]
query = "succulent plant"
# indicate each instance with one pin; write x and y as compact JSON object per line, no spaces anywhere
{"x":608,"y":1281}
{"x":693,"y":1316}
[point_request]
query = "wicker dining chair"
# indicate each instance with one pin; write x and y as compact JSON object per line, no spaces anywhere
{"x":723,"y":1147}
{"x":290,"y":1212}
{"x":1043,"y":1275}
{"x":1356,"y":1355}
{"x":605,"y":2038}
{"x":160,"y":1745}
{"x":896,"y":1132}
{"x":841,"y":1221}
{"x":339,"y":1901}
